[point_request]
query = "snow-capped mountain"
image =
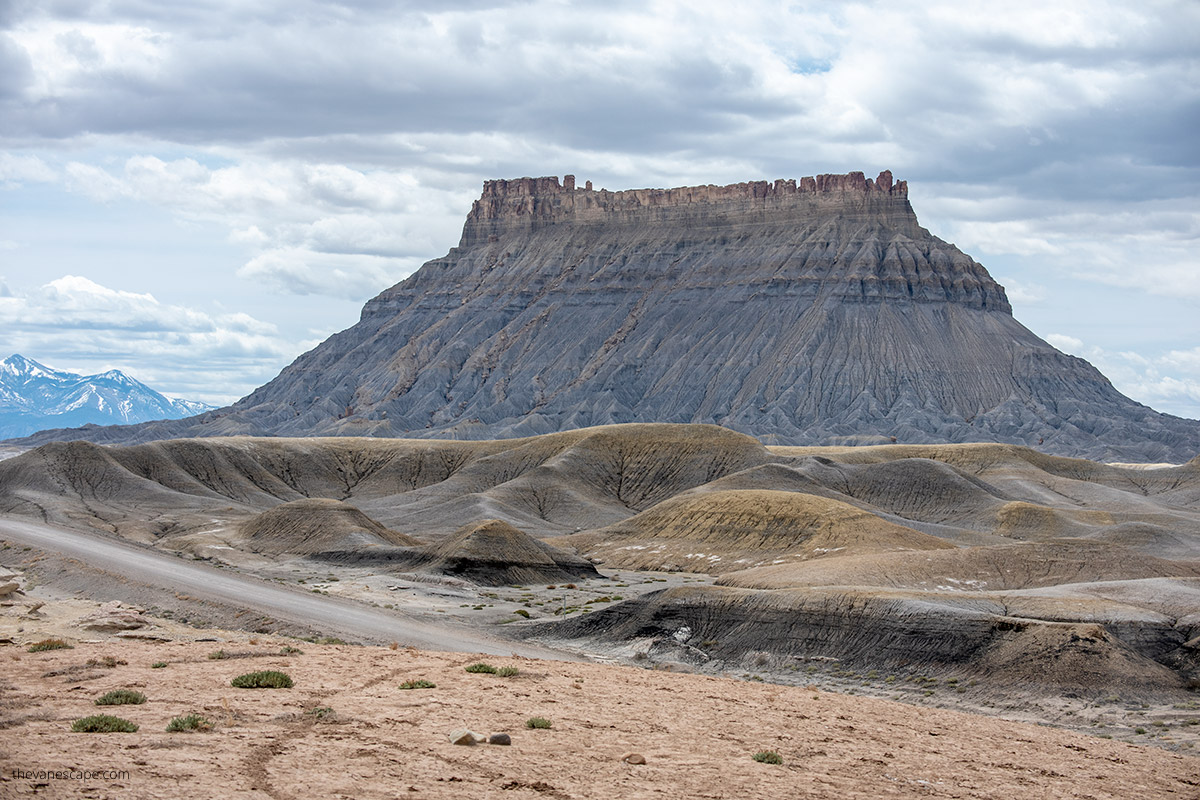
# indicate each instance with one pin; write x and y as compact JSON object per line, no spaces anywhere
{"x":34,"y":397}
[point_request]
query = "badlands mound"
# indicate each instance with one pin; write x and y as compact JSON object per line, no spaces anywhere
{"x":494,"y":553}
{"x":951,"y":556}
{"x":321,"y":525}
{"x":722,"y":530}
{"x":1017,"y":566}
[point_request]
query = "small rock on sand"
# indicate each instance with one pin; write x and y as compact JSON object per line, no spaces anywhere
{"x":499,"y":738}
{"x":633,"y":758}
{"x":114,"y":616}
{"x":464,"y":737}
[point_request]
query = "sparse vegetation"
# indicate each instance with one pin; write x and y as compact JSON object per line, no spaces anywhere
{"x":322,"y":639}
{"x":121,"y":697}
{"x":768,"y":757}
{"x":419,"y":683}
{"x":103,"y":723}
{"x":266,"y":679}
{"x":320,"y":712}
{"x":537,"y":723}
{"x":479,"y":666}
{"x":158,"y":665}
{"x":49,"y":644}
{"x":107,"y":661}
{"x":188,"y":722}
{"x":508,"y":672}
{"x":520,"y":612}
{"x":288,"y":650}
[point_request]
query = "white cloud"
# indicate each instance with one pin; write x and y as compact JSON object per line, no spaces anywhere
{"x":1169,"y":383}
{"x":1068,"y":344}
{"x":1020,"y":292}
{"x":17,"y":169}
{"x":73,"y":319}
{"x":294,"y":270}
{"x":338,"y":145}
{"x":311,"y":228}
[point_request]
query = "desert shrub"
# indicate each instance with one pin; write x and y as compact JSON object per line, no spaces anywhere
{"x":107,"y":661}
{"x":218,"y":655}
{"x":320,"y":712}
{"x":537,"y":722}
{"x":479,"y":666}
{"x":266,"y":679}
{"x":419,"y":683}
{"x":288,"y":650}
{"x":49,"y":644}
{"x":122,"y":697}
{"x":768,"y":757}
{"x":508,"y":672}
{"x":103,"y":723}
{"x":188,"y":722}
{"x":520,"y":612}
{"x":158,"y":665}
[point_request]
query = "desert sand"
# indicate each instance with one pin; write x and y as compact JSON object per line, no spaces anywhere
{"x":346,"y":730}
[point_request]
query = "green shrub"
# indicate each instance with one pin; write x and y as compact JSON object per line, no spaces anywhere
{"x":320,"y":712}
{"x":508,"y":672}
{"x":103,"y":723}
{"x":266,"y":679}
{"x":158,"y":665}
{"x":520,"y":612}
{"x":218,"y":655}
{"x":288,"y":650}
{"x":768,"y":757}
{"x":419,"y":683}
{"x":49,"y":644}
{"x":479,"y":666}
{"x":107,"y":661}
{"x":188,"y":722}
{"x":537,"y":722}
{"x":122,"y":697}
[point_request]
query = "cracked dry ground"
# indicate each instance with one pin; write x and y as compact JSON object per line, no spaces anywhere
{"x":370,"y":739}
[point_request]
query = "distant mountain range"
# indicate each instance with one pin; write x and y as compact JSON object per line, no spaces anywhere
{"x":34,"y":397}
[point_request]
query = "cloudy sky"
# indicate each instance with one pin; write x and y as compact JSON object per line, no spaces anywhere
{"x":198,"y":192}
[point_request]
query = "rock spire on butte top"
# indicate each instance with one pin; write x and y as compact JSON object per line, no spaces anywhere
{"x":851,"y":181}
{"x":526,"y":204}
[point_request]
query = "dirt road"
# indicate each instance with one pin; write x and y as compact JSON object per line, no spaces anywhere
{"x":332,"y":615}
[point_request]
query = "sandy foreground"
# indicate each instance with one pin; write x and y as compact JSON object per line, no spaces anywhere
{"x":346,"y":730}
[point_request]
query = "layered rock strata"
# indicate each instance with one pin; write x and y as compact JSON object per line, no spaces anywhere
{"x":816,"y":311}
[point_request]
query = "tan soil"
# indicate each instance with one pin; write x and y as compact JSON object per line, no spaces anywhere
{"x":697,"y":733}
